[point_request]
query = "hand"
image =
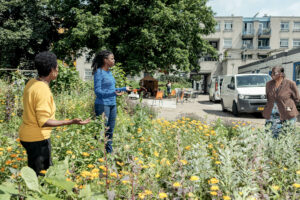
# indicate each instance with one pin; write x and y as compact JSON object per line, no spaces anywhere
{"x":118,"y":93}
{"x":128,"y":89}
{"x":80,"y":121}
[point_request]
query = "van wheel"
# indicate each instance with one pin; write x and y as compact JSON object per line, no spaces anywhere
{"x":235,"y":111}
{"x":222,"y":104}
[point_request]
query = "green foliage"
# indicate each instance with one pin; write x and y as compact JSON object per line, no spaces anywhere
{"x":26,"y":28}
{"x":30,"y":179}
{"x":144,"y":35}
{"x":67,"y":79}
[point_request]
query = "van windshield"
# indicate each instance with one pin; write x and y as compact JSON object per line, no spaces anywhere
{"x":252,"y":81}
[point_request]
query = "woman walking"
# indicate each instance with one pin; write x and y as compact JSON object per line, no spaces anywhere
{"x":282,"y":96}
{"x":39,"y":114}
{"x":106,"y":92}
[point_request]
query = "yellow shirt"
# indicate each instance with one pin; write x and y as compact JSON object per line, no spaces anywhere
{"x":38,"y":106}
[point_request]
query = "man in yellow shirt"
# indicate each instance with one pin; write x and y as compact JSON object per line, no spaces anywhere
{"x":39,"y":114}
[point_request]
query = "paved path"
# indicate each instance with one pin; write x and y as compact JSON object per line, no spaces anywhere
{"x":204,"y":110}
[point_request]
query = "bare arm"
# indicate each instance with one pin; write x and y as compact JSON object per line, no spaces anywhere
{"x":55,"y":123}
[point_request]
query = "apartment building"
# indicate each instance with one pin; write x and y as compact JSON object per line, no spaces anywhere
{"x":242,"y":40}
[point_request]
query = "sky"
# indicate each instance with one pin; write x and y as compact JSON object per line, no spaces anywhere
{"x":248,"y":8}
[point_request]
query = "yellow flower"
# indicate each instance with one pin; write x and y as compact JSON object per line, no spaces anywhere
{"x":147,"y":192}
{"x":120,"y":163}
{"x":114,"y":175}
{"x":157,"y":175}
{"x":69,"y":152}
{"x":162,"y":195}
{"x":141,"y":195}
{"x":90,"y":166}
{"x":101,"y":160}
{"x":213,"y":193}
{"x":156,"y":154}
{"x":1,"y":153}
{"x":218,"y":162}
{"x":214,"y":187}
{"x":226,"y":197}
{"x":275,"y":187}
{"x":194,"y":178}
{"x":103,"y":168}
{"x":139,"y":130}
{"x":184,"y":162}
{"x":213,"y":181}
{"x":125,"y":182}
{"x":85,"y":154}
{"x":176,"y":184}
{"x":68,"y":179}
{"x":43,"y":171}
{"x":240,"y":193}
{"x":296,"y":185}
{"x":9,"y":149}
{"x":1,"y":149}
{"x":95,"y":170}
{"x":188,"y":147}
{"x":298,"y":172}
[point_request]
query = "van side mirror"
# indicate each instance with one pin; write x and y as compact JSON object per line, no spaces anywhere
{"x":230,"y":86}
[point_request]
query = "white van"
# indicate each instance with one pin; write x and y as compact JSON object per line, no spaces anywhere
{"x":244,"y":93}
{"x":215,"y":86}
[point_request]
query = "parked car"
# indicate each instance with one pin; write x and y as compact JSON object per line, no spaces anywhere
{"x":215,"y":86}
{"x":244,"y":93}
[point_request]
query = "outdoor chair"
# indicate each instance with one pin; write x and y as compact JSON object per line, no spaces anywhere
{"x":173,"y":93}
{"x":158,"y":97}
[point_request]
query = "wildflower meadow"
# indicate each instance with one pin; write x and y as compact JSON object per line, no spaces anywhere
{"x":153,"y":158}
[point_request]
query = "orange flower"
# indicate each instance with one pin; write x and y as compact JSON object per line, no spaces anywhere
{"x":8,"y":162}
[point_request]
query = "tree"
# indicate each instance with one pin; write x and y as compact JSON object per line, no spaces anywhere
{"x":158,"y":34}
{"x":143,"y":34}
{"x":25,"y":29}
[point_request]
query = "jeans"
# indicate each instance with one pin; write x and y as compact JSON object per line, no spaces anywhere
{"x":110,"y":112}
{"x":278,"y":126}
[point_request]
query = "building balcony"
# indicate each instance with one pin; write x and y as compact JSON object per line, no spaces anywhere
{"x":264,"y":32}
{"x":264,"y":47}
{"x":248,"y":33}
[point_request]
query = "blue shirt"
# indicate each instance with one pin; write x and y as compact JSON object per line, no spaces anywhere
{"x":105,"y":87}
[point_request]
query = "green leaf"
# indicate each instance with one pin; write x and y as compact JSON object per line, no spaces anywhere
{"x":61,"y":183}
{"x":85,"y":192}
{"x":58,"y":170}
{"x":30,"y":178}
{"x":4,"y":196}
{"x":8,"y":188}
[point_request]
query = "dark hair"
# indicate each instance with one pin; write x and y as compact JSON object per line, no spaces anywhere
{"x":98,"y":61}
{"x":44,"y":62}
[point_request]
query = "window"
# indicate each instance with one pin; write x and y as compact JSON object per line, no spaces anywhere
{"x":297,"y":73}
{"x":296,"y":43}
{"x":284,"y":42}
{"x":214,"y":44}
{"x":228,"y":26}
{"x":263,"y":44}
{"x":284,"y":26}
{"x":246,"y":56}
{"x":227,"y":42}
{"x":296,"y":26}
{"x":247,"y":44}
{"x":88,"y":74}
{"x":217,"y":27}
